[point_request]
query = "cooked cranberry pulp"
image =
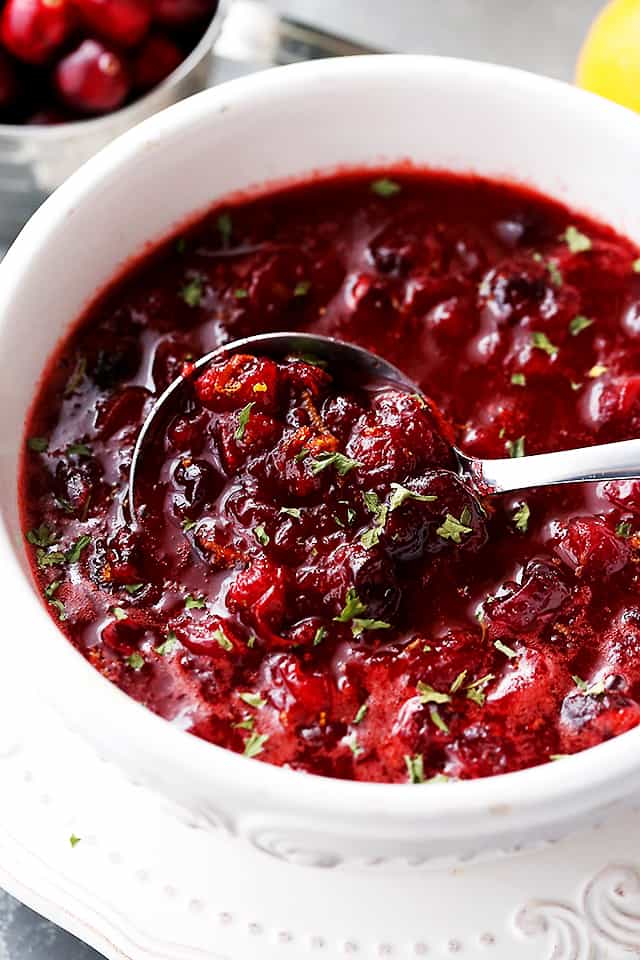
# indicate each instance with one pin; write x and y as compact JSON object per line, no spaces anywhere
{"x":307,"y":582}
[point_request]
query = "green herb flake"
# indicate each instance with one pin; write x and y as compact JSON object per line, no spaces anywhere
{"x":352,"y":742}
{"x":253,"y":700}
{"x":135,"y":661}
{"x":75,"y":552}
{"x":37,"y":444}
{"x":192,"y":292}
{"x":384,"y":187}
{"x":540,"y":341}
{"x":194,"y":603}
{"x":428,"y":695}
{"x":371,"y":537}
{"x":624,"y":529}
{"x":188,"y":525}
{"x":353,"y":606}
{"x":596,"y":689}
{"x":251,"y":642}
{"x":168,"y":645}
{"x":438,"y":720}
{"x":225,"y":227}
{"x":558,"y":756}
{"x":302,"y":288}
{"x":459,"y":680}
{"x":518,"y":380}
{"x":240,"y":293}
{"x":133,"y":588}
{"x":475,"y":691}
{"x":515,"y":448}
{"x":554,"y":273}
{"x":41,"y":536}
{"x":358,"y":625}
{"x":52,"y":588}
{"x":52,"y":559}
{"x":294,"y":512}
{"x":342,"y":463}
{"x":596,"y":371}
{"x":576,"y":241}
{"x":58,"y":605}
{"x":399,"y":494}
{"x":247,"y":724}
{"x":521,"y":517}
{"x":261,"y":535}
{"x":78,"y":450}
{"x":319,"y":636}
{"x":415,"y":768}
{"x":119,"y":613}
{"x":243,"y":420}
{"x":76,"y":377}
{"x":453,"y":529}
{"x":254,"y":744}
{"x":361,"y":714}
{"x":73,"y":840}
{"x":507,"y":651}
{"x":220,"y":637}
{"x":578,"y":324}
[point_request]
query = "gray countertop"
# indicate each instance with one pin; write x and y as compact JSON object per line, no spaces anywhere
{"x":540,"y":35}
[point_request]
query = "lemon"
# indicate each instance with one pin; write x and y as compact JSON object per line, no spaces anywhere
{"x":609,"y":62}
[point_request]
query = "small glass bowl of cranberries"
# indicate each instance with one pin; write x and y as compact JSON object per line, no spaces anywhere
{"x":74,"y":74}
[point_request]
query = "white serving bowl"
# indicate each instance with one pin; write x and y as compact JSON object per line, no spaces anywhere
{"x":273,"y":127}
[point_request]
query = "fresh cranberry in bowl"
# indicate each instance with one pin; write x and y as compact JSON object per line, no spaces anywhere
{"x":92,"y":79}
{"x":124,"y":22}
{"x":32,"y":30}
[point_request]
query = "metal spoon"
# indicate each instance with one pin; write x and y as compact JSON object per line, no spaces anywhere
{"x":609,"y":461}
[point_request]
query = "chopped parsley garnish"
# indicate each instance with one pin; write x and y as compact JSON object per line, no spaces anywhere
{"x":352,"y":742}
{"x":576,"y":241}
{"x":384,"y":187}
{"x":361,"y":714}
{"x":371,"y":501}
{"x":73,"y":840}
{"x":253,"y":700}
{"x":503,"y":648}
{"x":399,"y":494}
{"x":42,"y":536}
{"x":247,"y":724}
{"x":119,"y":613}
{"x":353,"y":606}
{"x":515,"y":448}
{"x":635,"y":266}
{"x":167,"y":645}
{"x":428,"y":695}
{"x":578,"y":324}
{"x":518,"y":380}
{"x":135,"y":661}
{"x":254,"y":744}
{"x":192,"y":292}
{"x":521,"y":517}
{"x":251,"y":642}
{"x":590,"y":689}
{"x":475,"y":691}
{"x":243,"y":420}
{"x":225,"y":227}
{"x":74,"y":553}
{"x":379,"y":510}
{"x":133,"y":588}
{"x":294,"y":512}
{"x":453,"y":529}
{"x":540,"y":341}
{"x":596,"y":371}
{"x":188,"y":525}
{"x":76,"y":377}
{"x":415,"y":768}
{"x":51,"y":559}
{"x":438,"y":720}
{"x":554,"y":273}
{"x":240,"y":293}
{"x":341,"y":462}
{"x":37,"y":444}
{"x":358,"y":625}
{"x":302,"y":288}
{"x":220,"y":637}
{"x":371,"y":537}
{"x":261,"y":535}
{"x":194,"y":603}
{"x":319,"y":636}
{"x":59,"y":606}
{"x":79,"y":450}
{"x":52,"y":588}
{"x":457,"y":683}
{"x":624,"y":529}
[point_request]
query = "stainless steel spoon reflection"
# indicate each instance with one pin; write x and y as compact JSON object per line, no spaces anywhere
{"x":609,"y":461}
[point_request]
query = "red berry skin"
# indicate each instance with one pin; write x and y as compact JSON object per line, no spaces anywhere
{"x":8,"y":81}
{"x":33,"y":29}
{"x":92,"y":79}
{"x":178,"y":13}
{"x":123,"y":22}
{"x":154,"y":61}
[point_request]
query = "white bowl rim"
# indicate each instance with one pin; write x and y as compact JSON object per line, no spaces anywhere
{"x":603,"y":770}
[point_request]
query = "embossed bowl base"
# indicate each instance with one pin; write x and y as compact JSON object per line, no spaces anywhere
{"x":144,"y":884}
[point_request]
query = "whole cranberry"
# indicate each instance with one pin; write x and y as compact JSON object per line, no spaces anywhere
{"x":33,"y":29}
{"x":154,"y":61}
{"x":92,"y":78}
{"x":124,"y":22}
{"x":8,"y":81}
{"x":179,"y":12}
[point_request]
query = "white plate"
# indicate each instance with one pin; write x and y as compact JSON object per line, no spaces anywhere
{"x":143,"y":886}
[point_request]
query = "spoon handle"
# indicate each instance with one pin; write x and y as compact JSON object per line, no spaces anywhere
{"x":609,"y":461}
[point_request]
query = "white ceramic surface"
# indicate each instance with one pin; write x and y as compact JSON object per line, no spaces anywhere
{"x":277,"y":125}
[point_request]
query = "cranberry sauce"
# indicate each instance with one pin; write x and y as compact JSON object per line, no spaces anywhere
{"x":307,"y":582}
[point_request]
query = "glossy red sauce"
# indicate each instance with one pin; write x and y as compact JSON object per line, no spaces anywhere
{"x":306,"y":582}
